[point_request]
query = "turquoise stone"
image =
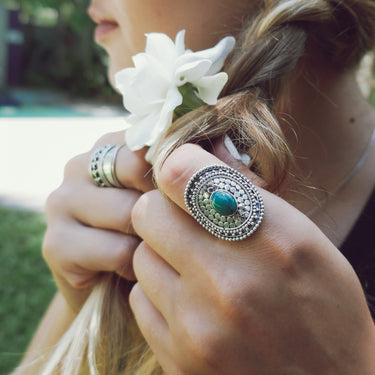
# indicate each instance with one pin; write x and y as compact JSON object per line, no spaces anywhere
{"x":224,"y":203}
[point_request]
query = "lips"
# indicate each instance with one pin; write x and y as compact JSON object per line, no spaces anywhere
{"x":106,"y":24}
{"x":104,"y":29}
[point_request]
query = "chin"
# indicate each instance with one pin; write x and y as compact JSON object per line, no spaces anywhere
{"x":111,"y":76}
{"x":112,"y":70}
{"x":113,"y":67}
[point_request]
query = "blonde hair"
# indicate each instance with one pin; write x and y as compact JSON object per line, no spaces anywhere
{"x":104,"y":339}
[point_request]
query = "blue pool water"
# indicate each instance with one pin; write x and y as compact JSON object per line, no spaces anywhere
{"x":38,"y":103}
{"x":42,"y":111}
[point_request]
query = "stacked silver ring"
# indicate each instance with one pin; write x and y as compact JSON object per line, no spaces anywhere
{"x":103,"y":164}
{"x":224,"y":202}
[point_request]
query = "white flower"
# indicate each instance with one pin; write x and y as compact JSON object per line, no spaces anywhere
{"x":163,"y":78}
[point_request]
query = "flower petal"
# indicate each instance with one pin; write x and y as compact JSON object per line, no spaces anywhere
{"x":138,"y":134}
{"x":180,"y":43}
{"x":210,"y":87}
{"x":147,"y":64}
{"x":147,"y":130}
{"x":173,"y":100}
{"x":149,"y":157}
{"x":124,"y":81}
{"x":191,"y":71}
{"x":152,"y":89}
{"x":217,"y":54}
{"x":162,"y":48}
{"x":143,"y":87}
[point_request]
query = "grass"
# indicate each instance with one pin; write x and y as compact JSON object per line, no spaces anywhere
{"x":26,"y":286}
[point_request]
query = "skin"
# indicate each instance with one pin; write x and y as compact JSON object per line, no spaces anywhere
{"x":262,"y":298}
{"x":283,"y":301}
{"x":205,"y":22}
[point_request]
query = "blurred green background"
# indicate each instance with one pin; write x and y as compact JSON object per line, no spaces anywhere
{"x":26,"y":286}
{"x":46,"y":47}
{"x":49,"y":47}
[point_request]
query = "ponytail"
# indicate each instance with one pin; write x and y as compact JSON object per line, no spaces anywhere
{"x":105,"y":339}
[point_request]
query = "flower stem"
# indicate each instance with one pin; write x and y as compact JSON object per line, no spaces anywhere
{"x":190,"y":100}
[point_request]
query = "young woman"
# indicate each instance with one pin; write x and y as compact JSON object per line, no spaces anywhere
{"x":283,"y":301}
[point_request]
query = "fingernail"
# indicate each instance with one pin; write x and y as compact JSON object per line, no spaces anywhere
{"x":245,"y":158}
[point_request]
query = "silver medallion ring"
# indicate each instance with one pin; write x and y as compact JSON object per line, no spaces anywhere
{"x":102,"y":166}
{"x":224,"y":202}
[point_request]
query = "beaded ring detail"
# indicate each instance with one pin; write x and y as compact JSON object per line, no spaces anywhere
{"x":102,"y":166}
{"x":224,"y":202}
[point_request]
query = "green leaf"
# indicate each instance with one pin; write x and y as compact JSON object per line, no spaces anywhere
{"x":190,"y":100}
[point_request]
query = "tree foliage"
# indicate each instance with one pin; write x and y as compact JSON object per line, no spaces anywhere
{"x":58,"y":50}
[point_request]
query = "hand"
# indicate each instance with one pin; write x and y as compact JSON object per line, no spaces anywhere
{"x":89,"y":228}
{"x":283,"y":301}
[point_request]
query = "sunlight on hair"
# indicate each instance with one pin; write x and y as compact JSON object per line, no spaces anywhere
{"x":103,"y":339}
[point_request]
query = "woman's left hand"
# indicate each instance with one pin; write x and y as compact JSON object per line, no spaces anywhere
{"x":283,"y":301}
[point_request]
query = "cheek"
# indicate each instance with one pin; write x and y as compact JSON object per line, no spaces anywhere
{"x":135,"y":18}
{"x":138,"y":17}
{"x":205,"y":21}
{"x":119,"y":55}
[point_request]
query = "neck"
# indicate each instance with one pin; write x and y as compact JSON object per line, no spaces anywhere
{"x":329,"y":126}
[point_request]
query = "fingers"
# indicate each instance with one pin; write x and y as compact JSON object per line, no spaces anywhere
{"x":154,"y":328}
{"x":133,"y":171}
{"x":89,"y":228}
{"x":157,"y":278}
{"x":220,"y":150}
{"x":102,"y":208}
{"x":79,"y":253}
{"x":179,"y":168}
{"x":182,"y":241}
{"x":131,"y":168}
{"x":174,"y":234}
{"x":170,"y":231}
{"x":107,"y":208}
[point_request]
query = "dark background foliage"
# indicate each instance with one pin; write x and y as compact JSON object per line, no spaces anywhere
{"x":56,"y":54}
{"x":58,"y":51}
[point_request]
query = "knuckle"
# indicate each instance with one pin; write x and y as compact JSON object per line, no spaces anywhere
{"x":140,"y":256}
{"x":110,"y":138}
{"x":236,"y":290}
{"x":301,"y":260}
{"x":53,"y":238}
{"x":122,"y":257}
{"x":123,"y":213}
{"x":61,"y":201}
{"x":80,"y":281}
{"x":235,"y":296}
{"x":56,"y":201}
{"x":139,"y":179}
{"x":52,"y":202}
{"x":134,"y":296}
{"x":75,"y":165}
{"x":132,"y":170}
{"x":177,"y":166}
{"x":139,"y":209}
{"x":48,"y":246}
{"x":277,"y":248}
{"x":204,"y":344}
{"x":291,"y":254}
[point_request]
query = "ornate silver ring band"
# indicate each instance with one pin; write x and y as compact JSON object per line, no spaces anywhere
{"x":224,"y":202}
{"x":102,"y":167}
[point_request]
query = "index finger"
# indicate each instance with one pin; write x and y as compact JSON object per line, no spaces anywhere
{"x":181,"y":165}
{"x":221,"y":199}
